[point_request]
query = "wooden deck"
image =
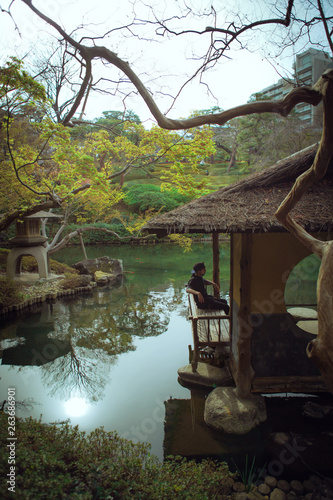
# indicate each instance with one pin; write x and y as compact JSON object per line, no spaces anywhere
{"x":210,"y":328}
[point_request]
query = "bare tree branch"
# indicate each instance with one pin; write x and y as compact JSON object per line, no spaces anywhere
{"x":324,"y":21}
{"x":65,"y":241}
{"x":316,"y":172}
{"x":283,"y":107}
{"x":320,"y":350}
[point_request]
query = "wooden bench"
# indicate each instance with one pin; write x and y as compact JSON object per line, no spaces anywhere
{"x":210,"y":328}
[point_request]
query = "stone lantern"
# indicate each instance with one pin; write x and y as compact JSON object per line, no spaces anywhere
{"x":29,"y":241}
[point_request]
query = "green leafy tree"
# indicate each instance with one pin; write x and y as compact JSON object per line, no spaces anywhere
{"x":44,"y":165}
{"x":41,"y":165}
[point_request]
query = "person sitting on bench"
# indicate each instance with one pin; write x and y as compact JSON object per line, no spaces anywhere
{"x":197,"y":286}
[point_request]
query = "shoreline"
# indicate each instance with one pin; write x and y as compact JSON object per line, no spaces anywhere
{"x":49,"y":292}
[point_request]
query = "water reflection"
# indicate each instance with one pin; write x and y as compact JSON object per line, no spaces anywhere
{"x":33,"y":344}
{"x":109,"y":358}
{"x":75,"y":342}
{"x":288,"y":444}
{"x":186,"y":433}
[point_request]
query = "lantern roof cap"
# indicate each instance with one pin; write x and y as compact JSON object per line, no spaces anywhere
{"x":43,"y":214}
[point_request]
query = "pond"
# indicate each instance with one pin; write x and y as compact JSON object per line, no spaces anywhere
{"x":110,"y":358}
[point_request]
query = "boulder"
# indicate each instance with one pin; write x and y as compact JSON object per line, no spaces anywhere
{"x":225,"y":411}
{"x":85,"y":279}
{"x":106,"y":278}
{"x":113,"y":268}
{"x":206,"y":375}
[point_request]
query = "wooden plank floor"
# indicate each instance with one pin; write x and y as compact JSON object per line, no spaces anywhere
{"x":212,"y":325}
{"x":213,"y":330}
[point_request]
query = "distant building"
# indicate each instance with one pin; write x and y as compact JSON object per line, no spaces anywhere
{"x":307,"y":69}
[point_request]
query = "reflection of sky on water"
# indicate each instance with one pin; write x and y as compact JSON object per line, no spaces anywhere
{"x":136,"y":387}
{"x":108,"y":376}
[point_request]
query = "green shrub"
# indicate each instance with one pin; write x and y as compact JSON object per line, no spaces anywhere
{"x":29,"y":264}
{"x":9,"y":233}
{"x":59,"y":268}
{"x":10,"y":292}
{"x":144,"y":196}
{"x":59,"y":461}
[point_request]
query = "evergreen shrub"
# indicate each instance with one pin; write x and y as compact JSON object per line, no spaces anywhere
{"x":58,"y":461}
{"x":149,"y":196}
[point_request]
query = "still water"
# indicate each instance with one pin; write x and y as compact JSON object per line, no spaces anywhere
{"x":110,"y":359}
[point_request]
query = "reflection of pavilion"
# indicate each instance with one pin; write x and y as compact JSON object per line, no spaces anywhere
{"x":37,"y":348}
{"x":186,"y":433}
{"x":288,"y":443}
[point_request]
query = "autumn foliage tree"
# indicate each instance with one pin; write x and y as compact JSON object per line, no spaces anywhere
{"x":47,"y":165}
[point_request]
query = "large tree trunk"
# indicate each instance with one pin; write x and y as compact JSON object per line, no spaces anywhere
{"x":319,"y":350}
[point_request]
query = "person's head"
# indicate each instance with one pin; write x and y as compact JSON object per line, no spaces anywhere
{"x":199,"y":268}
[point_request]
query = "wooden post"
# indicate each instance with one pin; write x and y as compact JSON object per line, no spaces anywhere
{"x":245,"y":371}
{"x":82,"y":245}
{"x":216,"y":261}
{"x":195,"y":358}
{"x":231,"y":285}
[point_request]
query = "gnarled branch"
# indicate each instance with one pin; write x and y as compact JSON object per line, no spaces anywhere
{"x":282,"y":107}
{"x":320,"y":350}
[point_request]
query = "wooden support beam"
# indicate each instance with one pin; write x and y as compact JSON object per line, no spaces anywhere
{"x":245,"y":371}
{"x":216,"y":261}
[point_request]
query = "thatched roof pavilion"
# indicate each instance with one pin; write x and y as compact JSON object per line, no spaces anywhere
{"x":268,"y":347}
{"x":250,"y":204}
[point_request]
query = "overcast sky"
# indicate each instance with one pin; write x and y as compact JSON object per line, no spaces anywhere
{"x":162,"y":66}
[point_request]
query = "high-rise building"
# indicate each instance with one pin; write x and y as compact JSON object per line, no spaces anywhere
{"x":307,"y":67}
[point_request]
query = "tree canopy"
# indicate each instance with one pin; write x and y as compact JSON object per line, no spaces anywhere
{"x":288,"y":22}
{"x":81,"y":170}
{"x":203,"y":37}
{"x":58,"y":164}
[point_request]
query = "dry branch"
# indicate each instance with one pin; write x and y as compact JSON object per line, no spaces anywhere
{"x":78,"y":232}
{"x":283,"y":107}
{"x":319,"y":350}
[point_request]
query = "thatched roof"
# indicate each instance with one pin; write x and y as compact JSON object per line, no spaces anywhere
{"x":249,"y":205}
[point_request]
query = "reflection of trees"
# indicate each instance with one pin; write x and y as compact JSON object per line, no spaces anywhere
{"x":94,"y":348}
{"x":97,"y":328}
{"x":145,"y":316}
{"x":76,"y":341}
{"x":110,"y":319}
{"x":78,"y":373}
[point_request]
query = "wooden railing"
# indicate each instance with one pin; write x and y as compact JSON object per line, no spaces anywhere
{"x":210,"y":328}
